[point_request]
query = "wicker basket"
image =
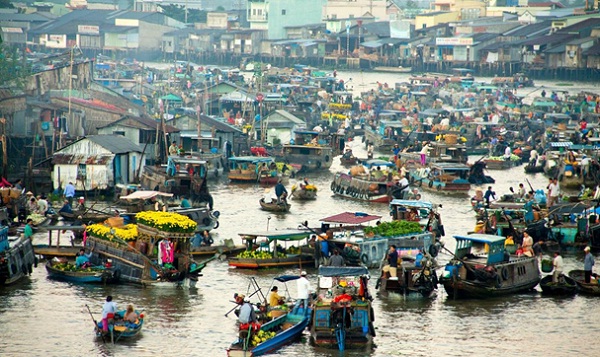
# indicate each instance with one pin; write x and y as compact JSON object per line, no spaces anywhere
{"x":451,"y":139}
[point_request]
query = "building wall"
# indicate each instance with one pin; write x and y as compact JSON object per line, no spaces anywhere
{"x":344,"y":9}
{"x":423,"y":21}
{"x":258,"y":14}
{"x":283,"y":13}
{"x":216,"y":20}
{"x":97,"y":177}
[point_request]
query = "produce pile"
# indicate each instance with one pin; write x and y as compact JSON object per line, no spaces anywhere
{"x":340,"y":106}
{"x":71,"y":267}
{"x":513,"y":157}
{"x":262,"y":336}
{"x":126,"y":233}
{"x":394,"y":228}
{"x":167,"y":221}
{"x":254,"y":254}
{"x":36,"y":218}
{"x":308,"y":187}
{"x":325,"y":116}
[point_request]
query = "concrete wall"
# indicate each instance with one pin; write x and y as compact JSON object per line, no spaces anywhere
{"x":284,"y":13}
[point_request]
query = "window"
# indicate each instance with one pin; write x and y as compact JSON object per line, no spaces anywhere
{"x":118,"y":132}
{"x":282,"y":12}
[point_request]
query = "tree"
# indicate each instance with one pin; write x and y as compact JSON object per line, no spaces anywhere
{"x":177,"y":12}
{"x":6,"y":4}
{"x":12,"y":71}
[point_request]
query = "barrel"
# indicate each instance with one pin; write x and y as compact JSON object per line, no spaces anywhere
{"x":547,"y":265}
{"x":451,"y":139}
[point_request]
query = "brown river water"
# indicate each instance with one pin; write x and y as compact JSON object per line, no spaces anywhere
{"x":43,"y":317}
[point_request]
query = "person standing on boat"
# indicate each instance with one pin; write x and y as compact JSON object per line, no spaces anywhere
{"x":83,"y":260}
{"x":370,"y":151}
{"x":304,"y":289}
{"x":108,"y":312}
{"x":522,"y":192}
{"x":69,"y":192}
{"x":557,"y":263}
{"x":336,"y":259}
{"x":392,"y":263}
{"x":173,"y":149}
{"x":424,"y":152}
{"x":553,"y":192}
{"x":588,"y":264}
{"x":396,"y":151}
{"x":489,"y":194}
{"x":527,"y":245}
{"x":280,"y":192}
{"x":247,"y":314}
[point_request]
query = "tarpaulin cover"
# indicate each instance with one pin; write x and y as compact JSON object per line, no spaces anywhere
{"x":351,"y":218}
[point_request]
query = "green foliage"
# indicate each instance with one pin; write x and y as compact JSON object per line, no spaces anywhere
{"x":394,"y":228}
{"x":6,"y":4}
{"x":177,"y":12}
{"x":13,"y":71}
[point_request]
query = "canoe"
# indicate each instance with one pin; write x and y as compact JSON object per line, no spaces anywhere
{"x":592,"y":288}
{"x":122,"y":330}
{"x":89,"y":216}
{"x":274,"y":206}
{"x":67,"y":272}
{"x":287,"y":328}
{"x":565,"y":286}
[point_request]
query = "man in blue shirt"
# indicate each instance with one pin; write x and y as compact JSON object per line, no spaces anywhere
{"x":281,"y":193}
{"x":69,"y":192}
{"x":392,"y":263}
{"x":489,"y":194}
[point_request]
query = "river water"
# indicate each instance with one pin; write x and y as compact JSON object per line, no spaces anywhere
{"x":40,"y":316}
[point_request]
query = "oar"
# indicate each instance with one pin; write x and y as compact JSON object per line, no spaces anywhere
{"x":95,"y":322}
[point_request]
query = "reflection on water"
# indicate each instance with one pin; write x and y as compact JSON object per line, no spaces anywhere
{"x":46,"y":317}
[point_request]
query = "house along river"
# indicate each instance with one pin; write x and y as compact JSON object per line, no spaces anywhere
{"x":42,"y":317}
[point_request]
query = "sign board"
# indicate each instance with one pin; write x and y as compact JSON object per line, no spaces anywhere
{"x":81,"y":171}
{"x":454,"y":41}
{"x":88,"y":29}
{"x":12,"y":30}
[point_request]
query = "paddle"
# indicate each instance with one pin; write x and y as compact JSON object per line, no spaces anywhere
{"x":95,"y":322}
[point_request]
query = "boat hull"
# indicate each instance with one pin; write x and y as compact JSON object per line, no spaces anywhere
{"x":82,"y":277}
{"x":359,"y":189}
{"x":584,"y":288}
{"x":304,"y":195}
{"x":274,"y":207}
{"x":515,"y":276}
{"x":565,"y":286}
{"x":18,"y":261}
{"x":281,"y":339}
{"x":449,"y":188}
{"x":359,"y":335}
{"x":410,"y":283}
{"x":501,"y":164}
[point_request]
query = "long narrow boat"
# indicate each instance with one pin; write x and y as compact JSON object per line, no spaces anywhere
{"x":286,"y":329}
{"x":564,"y":286}
{"x":591,"y":288}
{"x":443,"y":177}
{"x":377,"y":186}
{"x":344,"y":317}
{"x":482,"y":275}
{"x":266,"y":254}
{"x":67,"y":272}
{"x":121,"y":330}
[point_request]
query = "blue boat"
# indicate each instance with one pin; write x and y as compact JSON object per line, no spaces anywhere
{"x":66,"y":272}
{"x":344,"y":317}
{"x":16,"y":259}
{"x":121,"y":330}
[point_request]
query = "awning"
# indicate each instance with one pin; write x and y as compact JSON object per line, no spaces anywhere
{"x":372,"y":44}
{"x":351,"y":218}
{"x":145,"y":195}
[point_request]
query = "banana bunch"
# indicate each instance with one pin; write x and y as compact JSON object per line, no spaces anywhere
{"x":262,"y":336}
{"x":513,"y":157}
{"x":36,"y":218}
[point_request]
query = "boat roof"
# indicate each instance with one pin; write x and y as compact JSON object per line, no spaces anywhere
{"x":450,"y":166}
{"x":286,"y":278}
{"x":312,"y":132}
{"x":287,"y":234}
{"x":377,"y":162}
{"x":342,"y":271}
{"x":482,"y":238}
{"x":144,"y":195}
{"x":251,"y":158}
{"x":411,"y":203}
{"x":187,"y":160}
{"x":351,"y":218}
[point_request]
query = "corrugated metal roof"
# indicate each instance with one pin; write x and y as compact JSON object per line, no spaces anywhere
{"x":74,"y":159}
{"x":350,"y":218}
{"x":117,"y":144}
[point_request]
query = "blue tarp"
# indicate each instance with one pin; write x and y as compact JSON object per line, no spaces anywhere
{"x":286,"y":278}
{"x":342,"y":271}
{"x":411,"y":203}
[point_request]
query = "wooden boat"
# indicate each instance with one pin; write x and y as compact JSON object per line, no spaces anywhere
{"x":370,"y":188}
{"x":67,"y":272}
{"x":273,"y":206}
{"x":121,"y":330}
{"x":508,"y":202}
{"x":16,"y":258}
{"x":85,"y":216}
{"x":442,"y":177}
{"x":564,"y":286}
{"x":344,"y":317}
{"x":255,"y":169}
{"x":494,"y":164}
{"x":399,"y":69}
{"x":348,"y":159}
{"x":592,"y":288}
{"x":414,"y":278}
{"x":287,"y":329}
{"x":266,"y":255}
{"x":175,"y":178}
{"x":496,"y":273}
